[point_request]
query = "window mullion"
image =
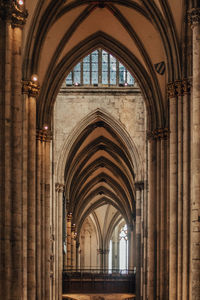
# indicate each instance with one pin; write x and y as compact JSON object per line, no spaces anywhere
{"x":100,"y":66}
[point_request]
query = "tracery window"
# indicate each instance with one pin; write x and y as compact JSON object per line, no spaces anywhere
{"x":100,"y":69}
{"x":123,"y":248}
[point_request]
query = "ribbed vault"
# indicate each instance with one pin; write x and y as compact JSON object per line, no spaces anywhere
{"x":61,"y":33}
{"x":99,"y":171}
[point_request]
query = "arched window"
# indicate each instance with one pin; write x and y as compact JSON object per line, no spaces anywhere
{"x":123,"y":249}
{"x":100,"y":69}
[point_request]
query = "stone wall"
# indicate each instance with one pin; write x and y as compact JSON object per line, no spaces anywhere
{"x":72,"y":105}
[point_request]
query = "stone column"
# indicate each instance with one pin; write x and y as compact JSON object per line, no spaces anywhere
{"x":59,"y":240}
{"x":12,"y":19}
{"x":151,"y":226}
{"x":43,"y":237}
{"x":173,"y":184}
{"x":73,"y":246}
{"x":163,"y":232}
{"x":38,"y":216}
{"x":194,"y":19}
{"x":100,"y":253}
{"x":77,"y":255}
{"x":69,"y":238}
{"x":178,"y":84}
{"x":186,"y":187}
{"x":31,"y":89}
{"x":47,"y":216}
{"x":139,"y":187}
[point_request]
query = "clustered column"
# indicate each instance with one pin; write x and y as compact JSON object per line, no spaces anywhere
{"x":179,"y":196}
{"x":194,"y":20}
{"x":139,"y":202}
{"x":43,"y":234}
{"x":69,"y":238}
{"x":30,"y":90}
{"x":59,"y":189}
{"x":157,"y":219}
{"x":12,"y":18}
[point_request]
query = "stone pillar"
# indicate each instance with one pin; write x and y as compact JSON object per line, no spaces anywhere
{"x":186,"y":188}
{"x":12,"y":19}
{"x":139,"y":187}
{"x":44,"y":256}
{"x":151,"y":226}
{"x":173,"y":184}
{"x":163,"y":231}
{"x":100,"y":253}
{"x":194,"y":19}
{"x":77,"y":255}
{"x":69,"y":238}
{"x":59,"y":187}
{"x":31,"y":89}
{"x":73,"y":246}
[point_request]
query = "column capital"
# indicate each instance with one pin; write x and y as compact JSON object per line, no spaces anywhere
{"x":12,"y":12}
{"x":178,"y":88}
{"x":99,"y":251}
{"x":158,"y":133}
{"x":193,"y":17}
{"x":30,"y":88}
{"x":186,"y":86}
{"x":171,"y":90}
{"x":59,"y":187}
{"x":139,"y":185}
{"x":44,"y":135}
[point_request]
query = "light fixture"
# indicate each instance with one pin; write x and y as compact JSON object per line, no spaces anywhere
{"x":20,"y":2}
{"x":34,"y":78}
{"x":76,"y":83}
{"x":125,"y":83}
{"x":46,"y":127}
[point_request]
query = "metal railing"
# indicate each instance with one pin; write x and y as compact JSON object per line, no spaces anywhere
{"x":95,"y":270}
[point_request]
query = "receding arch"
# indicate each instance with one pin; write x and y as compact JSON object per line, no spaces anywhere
{"x":76,"y":132}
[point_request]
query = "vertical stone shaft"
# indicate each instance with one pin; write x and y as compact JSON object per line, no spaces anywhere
{"x":180,"y":191}
{"x":69,"y":241}
{"x":25,"y":191}
{"x":31,"y":259}
{"x":38,"y":218}
{"x":42,"y":186}
{"x":60,"y":240}
{"x":173,"y":184}
{"x":163,"y":221}
{"x":194,"y":17}
{"x":16,"y":160}
{"x":74,"y":253}
{"x":5,"y":159}
{"x":157,"y":208}
{"x":47,"y":218}
{"x":131,"y":246}
{"x":151,"y":257}
{"x":138,"y":241}
{"x":72,"y":246}
{"x":186,"y":194}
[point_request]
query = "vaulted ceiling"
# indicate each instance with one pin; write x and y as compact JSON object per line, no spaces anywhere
{"x":140,"y":33}
{"x":99,"y":171}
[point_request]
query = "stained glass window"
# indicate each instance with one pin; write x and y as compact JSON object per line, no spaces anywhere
{"x":100,"y":68}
